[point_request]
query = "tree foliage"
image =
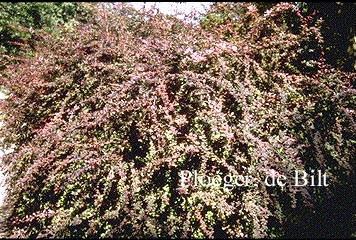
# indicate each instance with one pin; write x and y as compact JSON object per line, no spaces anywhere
{"x":105,"y":118}
{"x":338,"y":29}
{"x":22,"y":22}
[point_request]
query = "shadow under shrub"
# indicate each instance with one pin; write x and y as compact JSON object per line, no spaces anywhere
{"x":105,"y":118}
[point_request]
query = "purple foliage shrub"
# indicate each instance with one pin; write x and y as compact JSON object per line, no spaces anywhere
{"x":105,"y":118}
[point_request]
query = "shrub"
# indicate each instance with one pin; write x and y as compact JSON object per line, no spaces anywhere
{"x":21,"y":24}
{"x":105,"y":118}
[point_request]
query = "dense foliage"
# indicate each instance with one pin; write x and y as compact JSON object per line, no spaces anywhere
{"x":21,"y":23}
{"x":105,"y":118}
{"x":338,"y":29}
